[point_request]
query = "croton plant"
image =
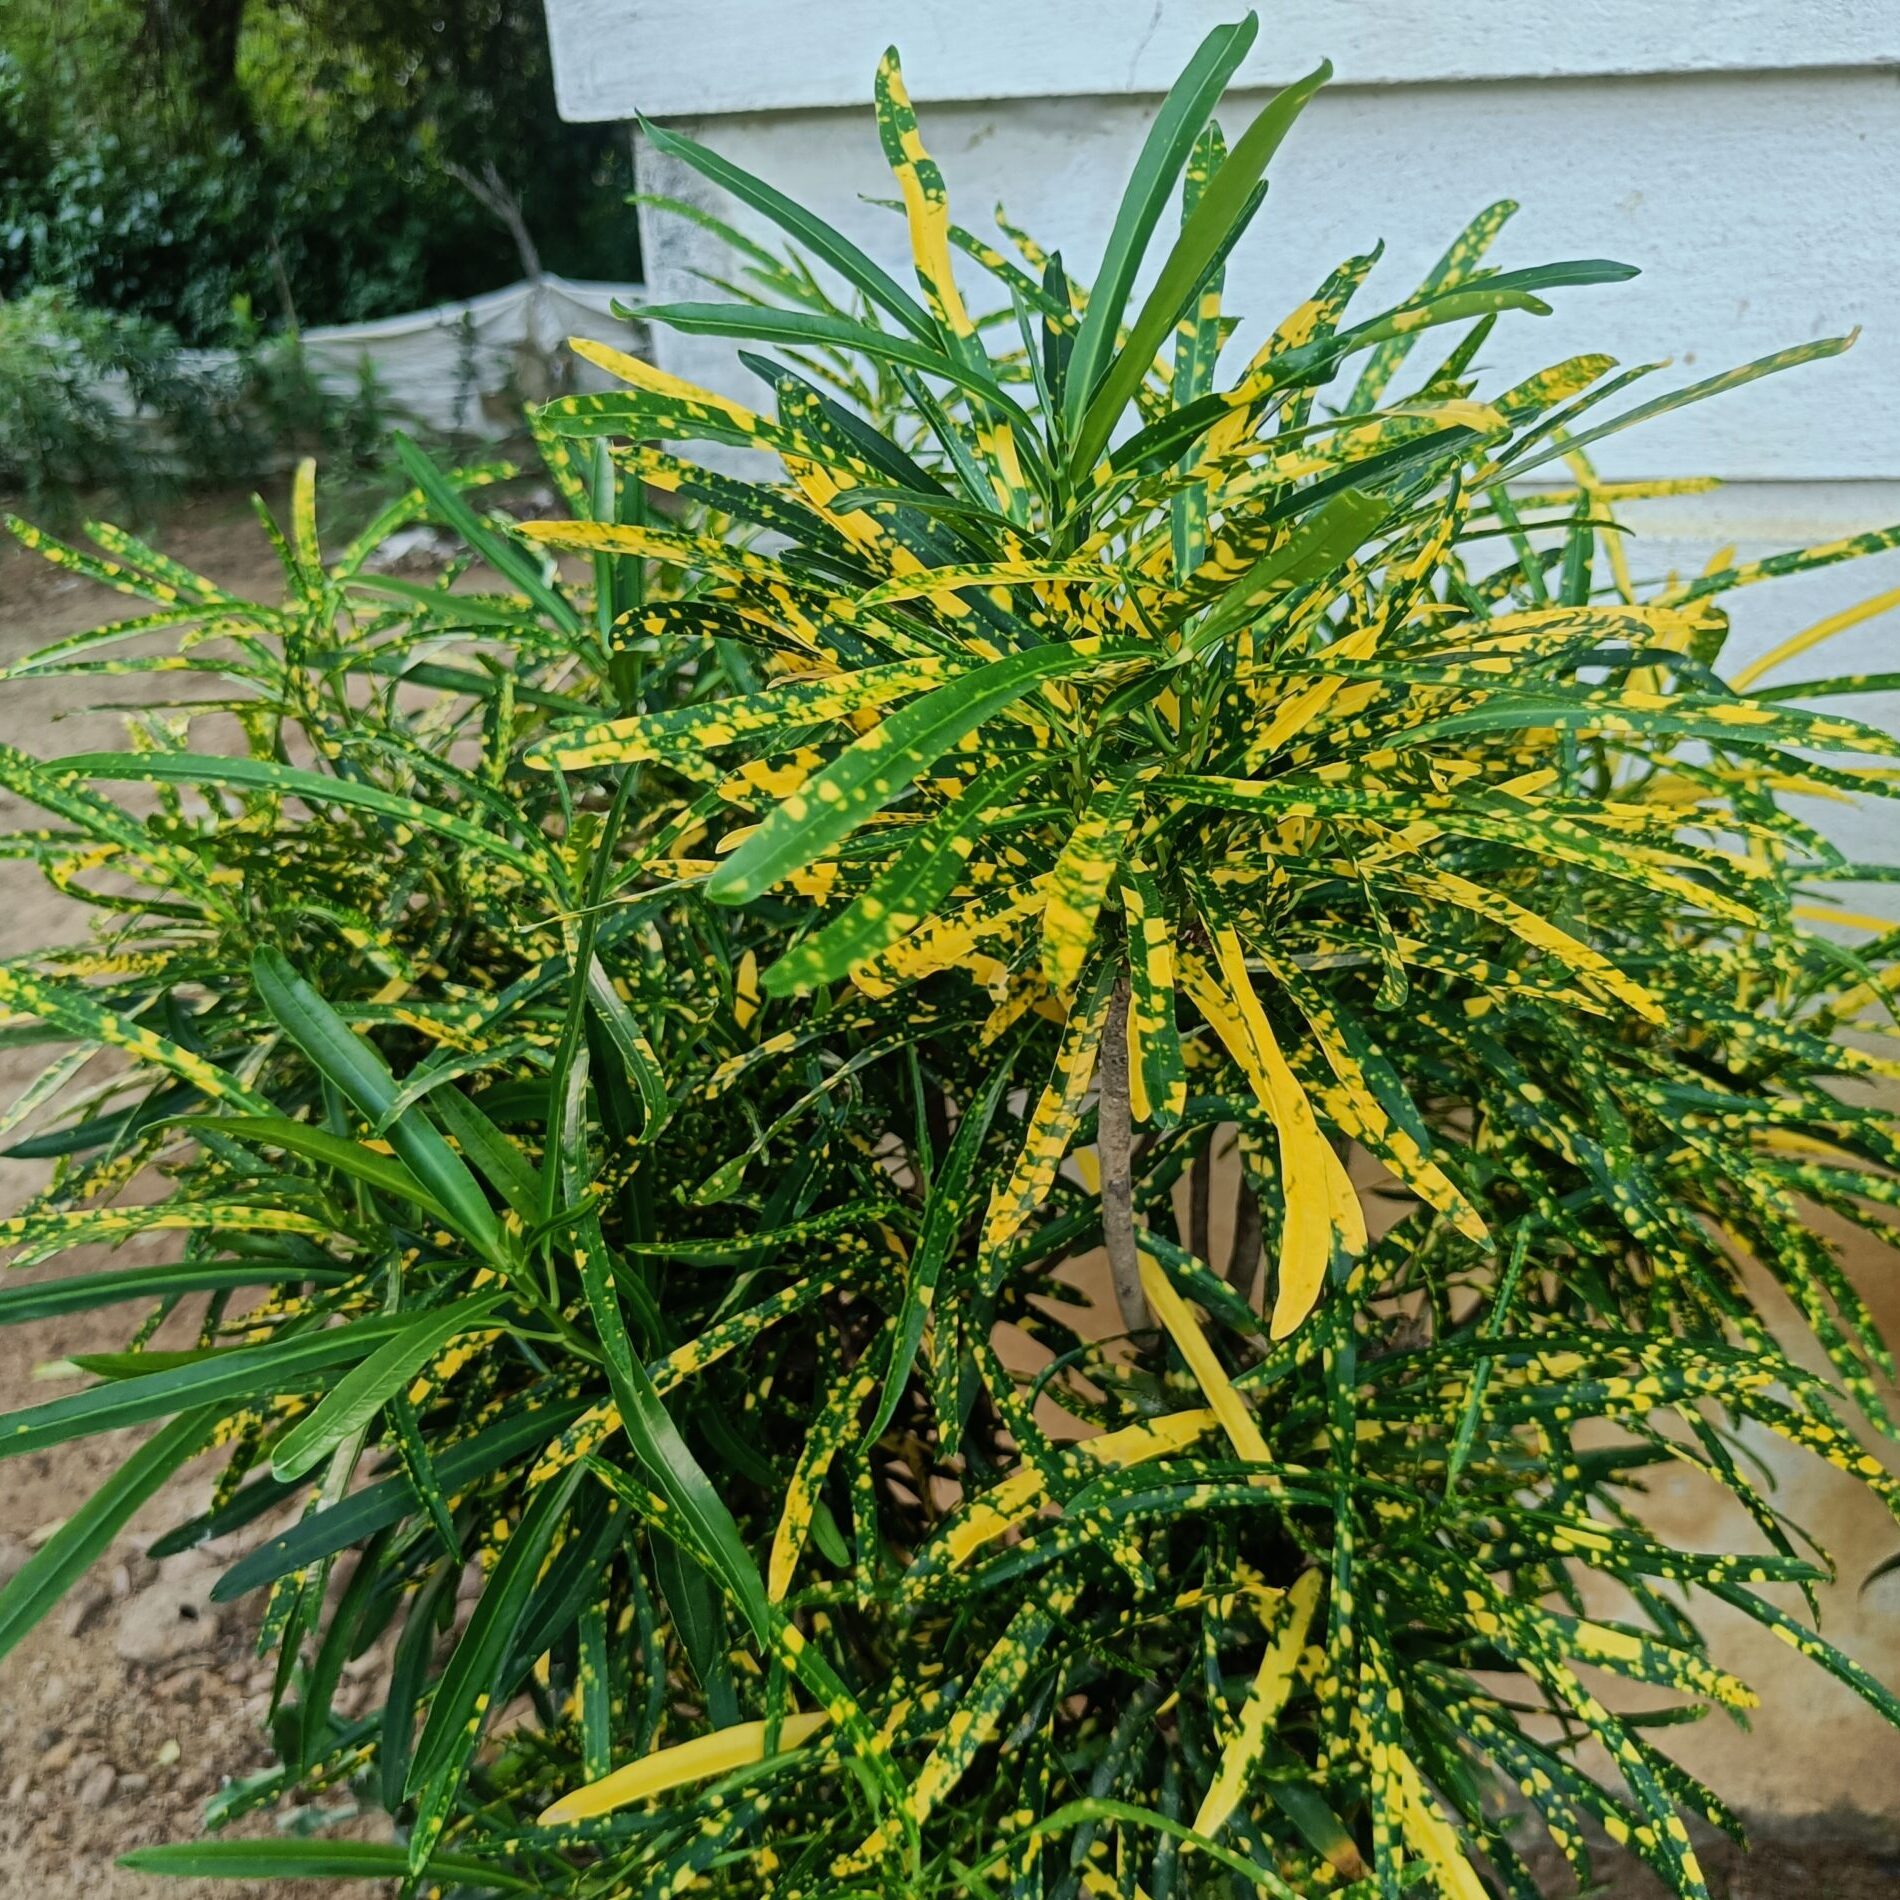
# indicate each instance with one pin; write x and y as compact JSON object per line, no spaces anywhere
{"x":646,"y":1039}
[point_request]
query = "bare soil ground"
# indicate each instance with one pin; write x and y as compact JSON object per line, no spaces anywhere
{"x":138,"y":1698}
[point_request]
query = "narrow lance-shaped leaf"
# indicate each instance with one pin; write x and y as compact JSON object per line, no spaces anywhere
{"x":1321,"y":1209}
{"x":1058,"y":1110}
{"x":1156,"y":1075}
{"x":881,"y":765}
{"x":463,"y":1696}
{"x":903,"y":894}
{"x":351,"y":1158}
{"x":362,"y":1075}
{"x":1459,"y":261}
{"x":1200,"y":243}
{"x":1081,"y":879}
{"x":1291,"y":1618}
{"x":719,"y":1753}
{"x":185,"y":1381}
{"x":944,"y":1217}
{"x":58,"y":1563}
{"x":448,"y":503}
{"x":1170,"y":139}
{"x":67,"y":1007}
{"x":267,"y":775}
{"x":832,"y":1428}
{"x":812,"y":232}
{"x":362,"y":1391}
{"x":273,"y":1861}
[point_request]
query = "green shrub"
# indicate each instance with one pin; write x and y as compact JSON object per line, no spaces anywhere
{"x":1096,"y":752}
{"x":59,"y":428}
{"x":92,"y":400}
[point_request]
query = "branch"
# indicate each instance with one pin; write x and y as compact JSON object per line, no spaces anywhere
{"x":1115,"y":1137}
{"x":491,"y":192}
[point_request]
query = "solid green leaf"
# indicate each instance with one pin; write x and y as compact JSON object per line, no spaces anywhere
{"x":353,"y":1158}
{"x":800,"y":225}
{"x":363,"y":1076}
{"x":1202,"y":237}
{"x":274,"y":1860}
{"x":59,"y":1562}
{"x":469,"y":1680}
{"x":1177,"y":125}
{"x":361,"y":1393}
{"x":190,"y":1379}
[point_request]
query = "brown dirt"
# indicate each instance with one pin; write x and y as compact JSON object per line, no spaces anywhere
{"x":98,"y":1755}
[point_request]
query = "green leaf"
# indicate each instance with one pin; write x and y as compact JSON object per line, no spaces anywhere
{"x":945,"y":1215}
{"x":361,"y":1514}
{"x":1170,"y":139}
{"x":798,"y":328}
{"x":469,"y":1680}
{"x":360,"y":1163}
{"x":1201,"y":241}
{"x":292,"y":781}
{"x":362,"y":1391}
{"x":503,"y":555}
{"x":631,"y":1045}
{"x":84,"y":1292}
{"x":365,"y":1079}
{"x":1453,"y":268}
{"x":190,"y":1379}
{"x":274,"y":1860}
{"x":697,"y":1517}
{"x":812,"y":233}
{"x":40,"y":1235}
{"x":1717,"y":385}
{"x":881,"y":765}
{"x":67,"y":1007}
{"x":1319,"y":544}
{"x":902,"y":895}
{"x":497,"y":1159}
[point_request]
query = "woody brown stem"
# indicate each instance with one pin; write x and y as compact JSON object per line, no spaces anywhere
{"x":1244,"y":1259}
{"x":1200,"y":1202}
{"x":1115,"y":1136}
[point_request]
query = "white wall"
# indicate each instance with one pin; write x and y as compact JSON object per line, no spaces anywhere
{"x":734,"y":56}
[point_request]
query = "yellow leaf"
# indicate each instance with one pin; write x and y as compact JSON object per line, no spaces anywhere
{"x":1429,"y":1838}
{"x":926,"y":203}
{"x":646,"y":376}
{"x":1321,"y":1206}
{"x":1209,"y":1374}
{"x":705,"y":1755}
{"x":1272,"y":1683}
{"x":1008,"y":1503}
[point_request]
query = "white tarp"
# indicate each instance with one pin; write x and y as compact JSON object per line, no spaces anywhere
{"x":466,"y":368}
{"x":461,"y":369}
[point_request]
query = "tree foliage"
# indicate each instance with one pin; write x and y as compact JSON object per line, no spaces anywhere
{"x":288,"y":162}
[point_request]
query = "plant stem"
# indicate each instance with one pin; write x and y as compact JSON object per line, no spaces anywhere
{"x":1116,"y":1139}
{"x":1200,"y":1211}
{"x":1244,"y":1259}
